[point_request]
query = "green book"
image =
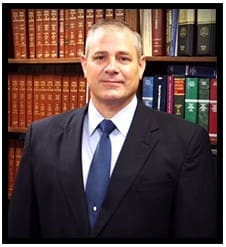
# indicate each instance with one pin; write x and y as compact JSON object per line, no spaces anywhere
{"x":203,"y":105}
{"x":191,"y":99}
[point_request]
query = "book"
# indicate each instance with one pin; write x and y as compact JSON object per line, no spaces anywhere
{"x":80,"y":41}
{"x":206,"y":32}
{"x":39,"y":42}
{"x":31,"y":33}
{"x":160,"y":88}
{"x":179,"y":94}
{"x":158,"y":32}
{"x":191,"y":99}
{"x":169,"y":19}
{"x":54,"y":33}
{"x":73,"y":33}
{"x":170,"y":93}
{"x":61,"y":34}
{"x":213,"y":109}
{"x":203,"y":106}
{"x":119,"y":14}
{"x":148,"y":90}
{"x":186,"y":32}
{"x":16,"y":32}
{"x":146,"y":31}
{"x":11,"y":166}
{"x":174,"y":33}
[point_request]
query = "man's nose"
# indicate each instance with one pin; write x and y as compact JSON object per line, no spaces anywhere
{"x":112,"y":66}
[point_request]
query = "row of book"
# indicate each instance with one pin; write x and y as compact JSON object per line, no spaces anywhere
{"x":35,"y":95}
{"x":178,"y":32}
{"x":15,"y":150}
{"x":54,"y":33}
{"x":192,"y":98}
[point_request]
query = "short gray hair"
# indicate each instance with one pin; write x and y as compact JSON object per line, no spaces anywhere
{"x":115,"y":23}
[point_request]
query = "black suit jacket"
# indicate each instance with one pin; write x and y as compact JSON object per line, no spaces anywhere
{"x":163,"y":186}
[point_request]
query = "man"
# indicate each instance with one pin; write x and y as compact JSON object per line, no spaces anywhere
{"x":162,"y":177}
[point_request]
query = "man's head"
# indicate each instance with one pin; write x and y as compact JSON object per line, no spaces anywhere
{"x":113,"y":64}
{"x":117,"y":24}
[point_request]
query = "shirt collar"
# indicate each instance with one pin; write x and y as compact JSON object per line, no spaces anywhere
{"x":122,"y":119}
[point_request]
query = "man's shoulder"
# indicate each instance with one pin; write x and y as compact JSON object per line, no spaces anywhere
{"x":60,"y":120}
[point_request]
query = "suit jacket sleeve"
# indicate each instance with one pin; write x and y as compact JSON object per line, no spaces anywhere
{"x":196,"y":200}
{"x":23,"y":217}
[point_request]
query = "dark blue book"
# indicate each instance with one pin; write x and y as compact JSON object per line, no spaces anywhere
{"x":147,"y":91}
{"x":160,"y":92}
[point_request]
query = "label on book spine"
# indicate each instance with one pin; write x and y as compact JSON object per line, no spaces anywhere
{"x":191,"y":99}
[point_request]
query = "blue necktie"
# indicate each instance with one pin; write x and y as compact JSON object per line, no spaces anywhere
{"x":99,"y":173}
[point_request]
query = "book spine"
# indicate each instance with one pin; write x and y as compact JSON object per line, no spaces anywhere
{"x":109,"y":14}
{"x":31,"y":33}
{"x":160,"y":92}
{"x":174,"y":33}
{"x":16,"y":32}
{"x":36,"y":94}
{"x":54,"y":33}
{"x":206,"y":25}
{"x":169,"y":18}
{"x":42,"y":95}
{"x":15,"y":101}
{"x":148,"y":91}
{"x":186,"y":32}
{"x":65,"y":90}
{"x":99,"y":15}
{"x":49,"y":93}
{"x":203,"y":106}
{"x":191,"y":99}
{"x":66,"y":32}
{"x":131,"y":17}
{"x":57,"y":88}
{"x":72,"y":46}
{"x":89,"y":17}
{"x":22,"y":97}
{"x":11,"y":166}
{"x":213,"y":109}
{"x":46,"y":33}
{"x":9,"y":100}
{"x":73,"y":88}
{"x":170,"y":88}
{"x":61,"y":33}
{"x":80,"y":32}
{"x":29,"y":98}
{"x":146,"y":31}
{"x":158,"y":32}
{"x":119,"y":14}
{"x":81,"y":91}
{"x":23,"y":33}
{"x":179,"y":92}
{"x":39,"y":33}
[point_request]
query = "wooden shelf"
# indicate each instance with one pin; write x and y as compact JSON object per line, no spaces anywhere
{"x":148,"y":58}
{"x":43,"y":61}
{"x":17,"y":130}
{"x":181,"y":59}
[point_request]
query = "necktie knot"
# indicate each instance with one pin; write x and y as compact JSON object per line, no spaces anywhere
{"x":107,"y":126}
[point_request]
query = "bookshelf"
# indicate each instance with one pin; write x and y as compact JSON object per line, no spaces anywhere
{"x":157,"y":63}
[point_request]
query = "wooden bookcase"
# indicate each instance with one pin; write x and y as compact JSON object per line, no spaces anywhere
{"x":158,"y":63}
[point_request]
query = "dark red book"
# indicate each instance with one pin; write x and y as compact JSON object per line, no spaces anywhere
{"x":158,"y":32}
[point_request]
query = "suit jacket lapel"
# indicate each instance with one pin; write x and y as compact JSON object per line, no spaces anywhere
{"x":68,"y":144}
{"x":140,"y":141}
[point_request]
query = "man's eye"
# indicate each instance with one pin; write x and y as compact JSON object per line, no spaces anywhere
{"x":124,"y":59}
{"x":99,"y":58}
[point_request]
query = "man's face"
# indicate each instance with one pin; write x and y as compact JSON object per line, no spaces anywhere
{"x":112,"y":67}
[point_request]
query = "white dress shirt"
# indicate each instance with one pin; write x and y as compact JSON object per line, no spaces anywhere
{"x":91,"y":134}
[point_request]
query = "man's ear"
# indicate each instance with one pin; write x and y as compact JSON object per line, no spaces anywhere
{"x":142,"y":66}
{"x":83,"y":61}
